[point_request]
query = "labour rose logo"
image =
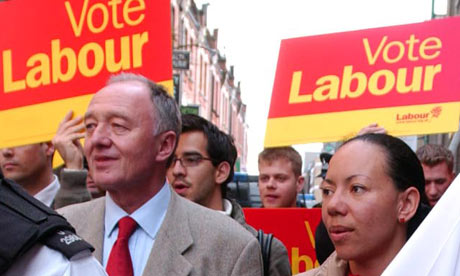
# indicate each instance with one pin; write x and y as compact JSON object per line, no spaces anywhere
{"x":435,"y":112}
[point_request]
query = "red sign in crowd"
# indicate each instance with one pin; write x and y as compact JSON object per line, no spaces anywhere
{"x":295,"y":227}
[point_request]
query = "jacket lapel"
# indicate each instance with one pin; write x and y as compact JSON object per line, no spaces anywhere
{"x":335,"y":267}
{"x":173,"y":239}
{"x":94,"y":228}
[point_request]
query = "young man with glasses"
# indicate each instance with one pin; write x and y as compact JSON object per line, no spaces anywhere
{"x":202,"y":166}
{"x":203,"y":163}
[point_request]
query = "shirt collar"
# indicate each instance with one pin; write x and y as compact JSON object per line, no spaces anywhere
{"x":227,"y":207}
{"x":47,"y":194}
{"x":149,"y":216}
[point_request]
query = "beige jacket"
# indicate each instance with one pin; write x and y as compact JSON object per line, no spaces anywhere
{"x":279,"y":259}
{"x":333,"y":266}
{"x":192,"y":240}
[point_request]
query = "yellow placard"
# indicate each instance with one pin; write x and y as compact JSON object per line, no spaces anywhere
{"x":401,"y":121}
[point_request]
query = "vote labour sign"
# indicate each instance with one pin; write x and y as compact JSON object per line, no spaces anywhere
{"x":294,"y":227}
{"x":406,"y":78}
{"x":55,"y":54}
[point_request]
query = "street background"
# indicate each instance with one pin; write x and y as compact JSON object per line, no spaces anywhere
{"x":250,"y":33}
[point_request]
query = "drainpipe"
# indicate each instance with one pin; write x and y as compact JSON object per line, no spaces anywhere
{"x":453,"y":146}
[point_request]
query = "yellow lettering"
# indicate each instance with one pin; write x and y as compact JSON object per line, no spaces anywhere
{"x":398,"y":57}
{"x":329,"y":89}
{"x":297,"y":259}
{"x":388,"y":83}
{"x":105,"y":18}
{"x":416,"y":83}
{"x":42,"y":70}
{"x":410,"y":52}
{"x":77,"y":28}
{"x":431,"y":43}
{"x":430,"y":72}
{"x":310,"y":234}
{"x":138,"y":42}
{"x":9,"y":85}
{"x":348,"y":77}
{"x":56,"y":57}
{"x":125,"y":61}
{"x":294,"y":94}
{"x":83,"y":59}
{"x":62,"y":64}
{"x":127,"y":10}
{"x":372,"y":58}
{"x":114,"y":4}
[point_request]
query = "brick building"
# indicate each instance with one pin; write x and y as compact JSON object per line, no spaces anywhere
{"x":207,"y":85}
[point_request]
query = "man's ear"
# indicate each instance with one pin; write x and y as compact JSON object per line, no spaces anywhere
{"x":48,"y":148}
{"x":166,"y":145}
{"x":300,"y":183}
{"x":408,"y":203}
{"x":452,"y":176}
{"x":222,"y":172}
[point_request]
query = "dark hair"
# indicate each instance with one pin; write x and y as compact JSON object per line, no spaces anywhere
{"x":432,"y":155}
{"x":404,"y":169}
{"x":221,"y":147}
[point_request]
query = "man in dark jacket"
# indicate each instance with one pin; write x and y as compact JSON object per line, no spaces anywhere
{"x":35,"y":240}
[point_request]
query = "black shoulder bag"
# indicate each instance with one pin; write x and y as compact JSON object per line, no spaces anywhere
{"x":265,"y":241}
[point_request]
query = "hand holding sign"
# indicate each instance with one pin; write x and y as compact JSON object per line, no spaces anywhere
{"x":67,"y":142}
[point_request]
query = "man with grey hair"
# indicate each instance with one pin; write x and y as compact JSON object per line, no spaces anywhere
{"x":438,"y":169}
{"x":142,"y":227}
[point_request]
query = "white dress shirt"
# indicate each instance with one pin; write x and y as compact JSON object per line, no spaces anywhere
{"x":44,"y":261}
{"x":47,"y":194}
{"x":149,"y":218}
{"x":227,"y":207}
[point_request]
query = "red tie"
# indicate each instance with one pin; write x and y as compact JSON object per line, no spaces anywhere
{"x":120,"y":263}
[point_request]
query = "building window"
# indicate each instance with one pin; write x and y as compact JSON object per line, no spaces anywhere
{"x":205,"y":74}
{"x":200,"y":84}
{"x":186,"y":37}
{"x":215,"y":95}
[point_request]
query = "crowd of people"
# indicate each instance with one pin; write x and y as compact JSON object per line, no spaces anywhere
{"x":146,"y":194}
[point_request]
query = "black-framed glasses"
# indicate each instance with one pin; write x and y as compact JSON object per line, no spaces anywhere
{"x":189,"y":160}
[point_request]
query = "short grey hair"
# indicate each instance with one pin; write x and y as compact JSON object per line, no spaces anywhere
{"x":433,"y":154}
{"x":166,"y":112}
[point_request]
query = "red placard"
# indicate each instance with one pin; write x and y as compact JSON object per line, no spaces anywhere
{"x":388,"y":75}
{"x":53,"y":51}
{"x":295,"y":227}
{"x":425,"y":51}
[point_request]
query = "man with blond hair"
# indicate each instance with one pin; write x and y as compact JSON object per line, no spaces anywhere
{"x":280,"y":177}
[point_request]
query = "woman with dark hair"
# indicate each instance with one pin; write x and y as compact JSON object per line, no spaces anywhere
{"x":372,"y":196}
